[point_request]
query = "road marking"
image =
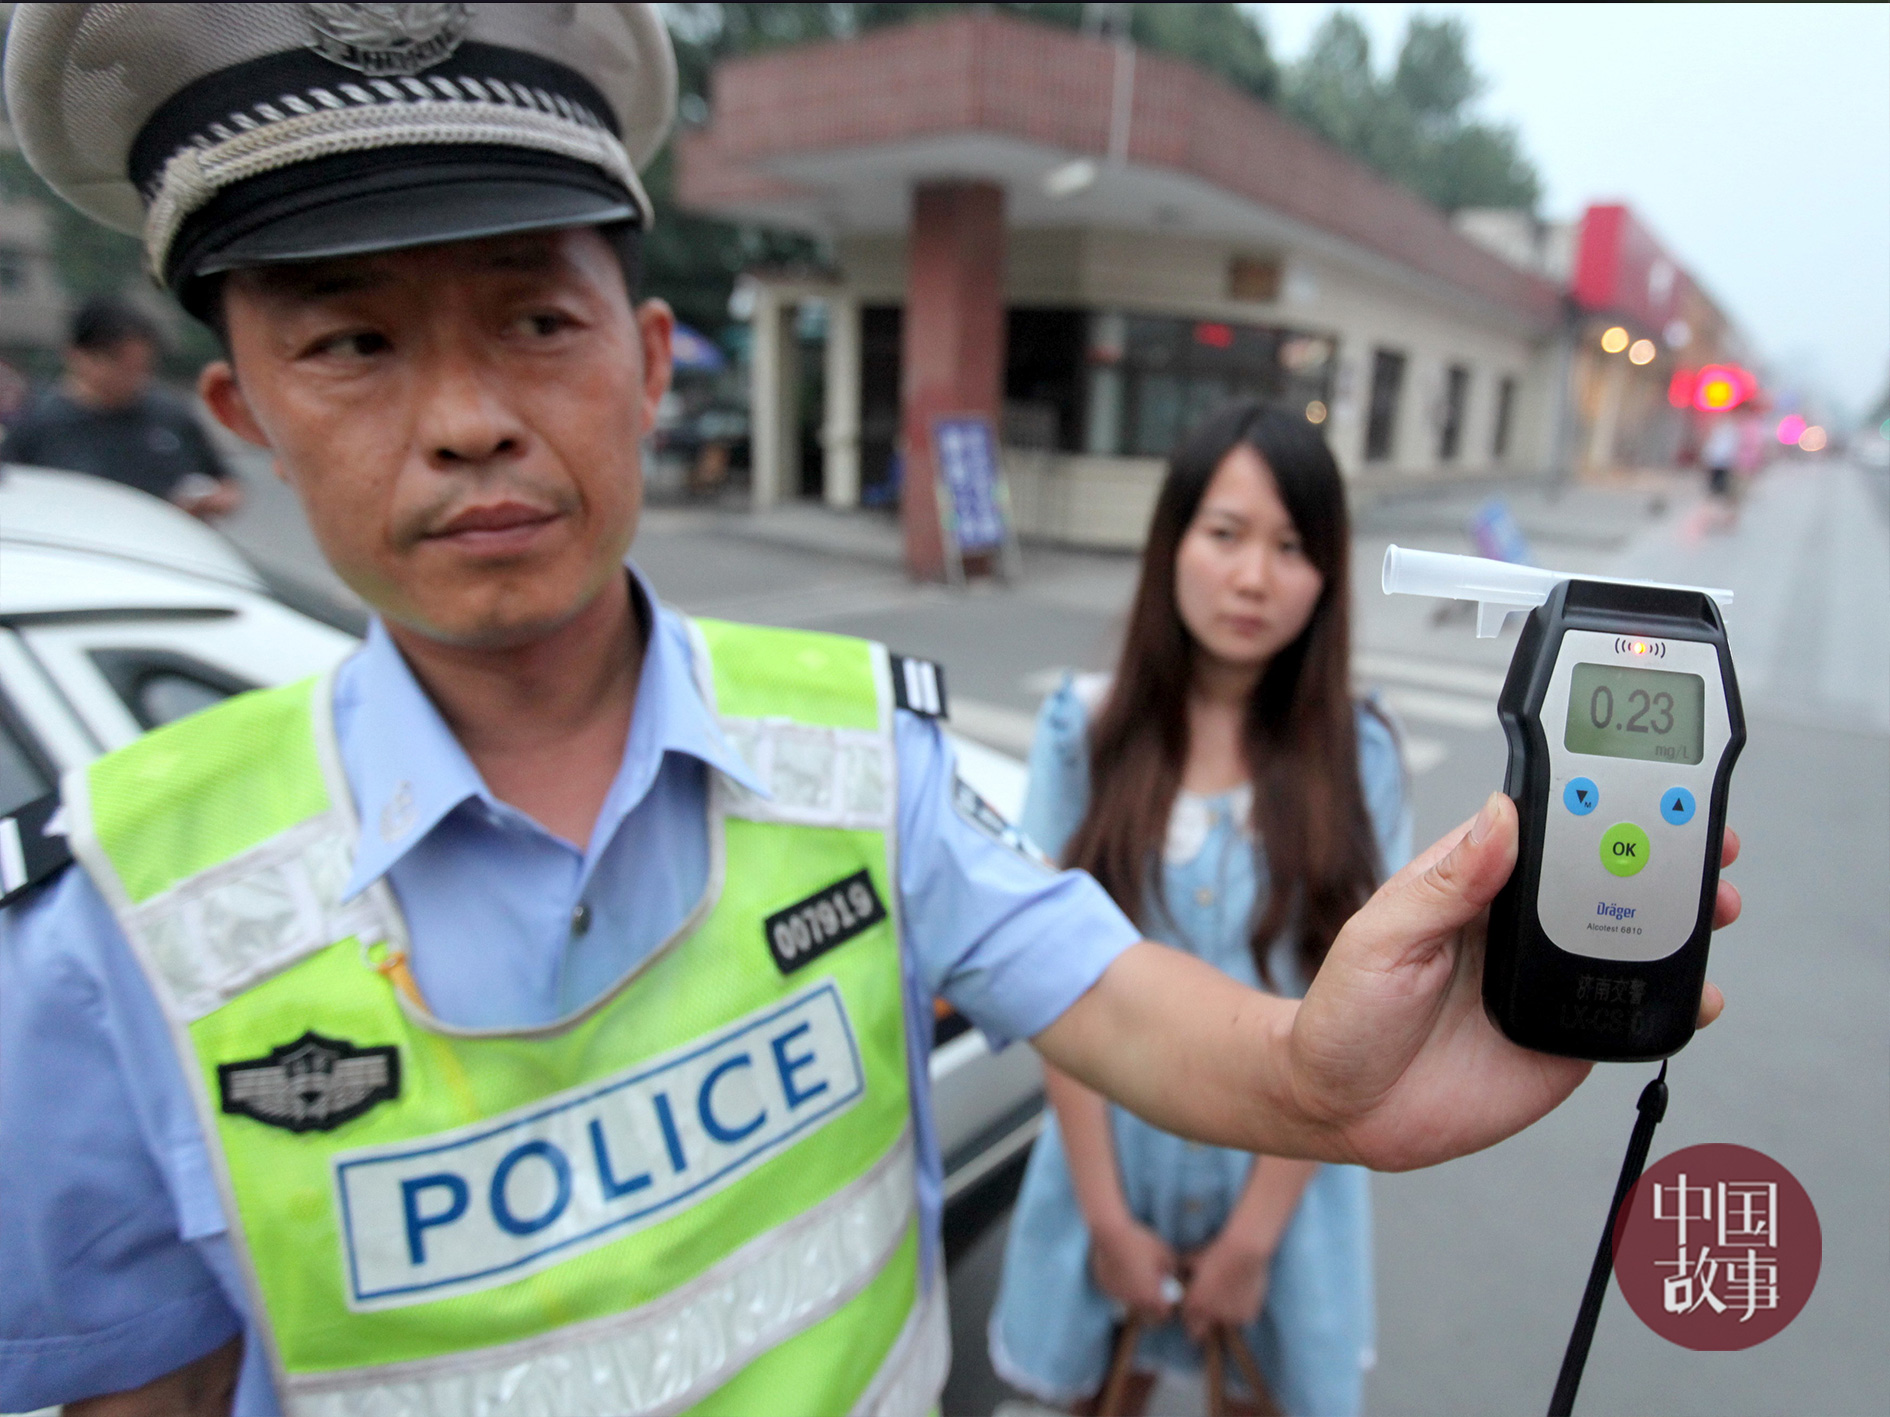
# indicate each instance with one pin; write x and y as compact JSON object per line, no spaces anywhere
{"x":1447,"y":710}
{"x":1007,"y":729}
{"x":1423,"y":754}
{"x":1461,"y":678}
{"x":1042,"y":682}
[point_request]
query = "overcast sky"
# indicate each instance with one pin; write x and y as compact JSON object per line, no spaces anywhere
{"x":1755,"y":139}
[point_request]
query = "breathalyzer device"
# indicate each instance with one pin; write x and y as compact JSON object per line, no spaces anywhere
{"x":1623,"y":719}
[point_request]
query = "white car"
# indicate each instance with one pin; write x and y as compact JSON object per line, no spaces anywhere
{"x":119,"y":612}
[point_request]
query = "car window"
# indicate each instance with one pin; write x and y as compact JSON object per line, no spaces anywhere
{"x":160,"y":686}
{"x":24,"y":776}
{"x":166,"y":696}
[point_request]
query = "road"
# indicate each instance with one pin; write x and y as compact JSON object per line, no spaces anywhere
{"x":1481,"y":1262}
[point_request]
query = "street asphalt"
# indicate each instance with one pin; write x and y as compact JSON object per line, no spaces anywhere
{"x":1480,"y":1263}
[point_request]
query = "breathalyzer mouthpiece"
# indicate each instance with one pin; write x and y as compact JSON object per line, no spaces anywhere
{"x":1499,"y":588}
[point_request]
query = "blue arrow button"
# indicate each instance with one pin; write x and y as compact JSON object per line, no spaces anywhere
{"x":1676,"y":806}
{"x":1581,"y":796}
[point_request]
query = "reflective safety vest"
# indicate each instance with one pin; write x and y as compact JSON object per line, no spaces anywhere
{"x":695,"y":1194}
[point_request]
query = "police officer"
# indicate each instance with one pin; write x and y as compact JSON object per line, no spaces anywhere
{"x":532,"y":1014}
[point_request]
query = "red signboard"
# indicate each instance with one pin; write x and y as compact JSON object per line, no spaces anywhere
{"x":1621,"y":268}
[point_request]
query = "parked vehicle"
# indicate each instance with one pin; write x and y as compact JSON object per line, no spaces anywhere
{"x":118,"y":613}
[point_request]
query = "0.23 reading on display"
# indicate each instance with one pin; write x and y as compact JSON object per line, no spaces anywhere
{"x":1651,"y":714}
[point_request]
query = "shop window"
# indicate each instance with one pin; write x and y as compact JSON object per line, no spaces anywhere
{"x":881,"y":328}
{"x":1450,"y":429}
{"x":1505,"y":410}
{"x":1381,"y":425}
{"x":1043,"y":378}
{"x":1152,"y":379}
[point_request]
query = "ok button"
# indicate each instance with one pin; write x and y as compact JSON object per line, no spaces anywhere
{"x":1624,"y":849}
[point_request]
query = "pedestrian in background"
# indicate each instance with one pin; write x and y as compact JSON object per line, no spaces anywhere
{"x":1237,"y":802}
{"x":108,"y":417}
{"x":1718,"y":455}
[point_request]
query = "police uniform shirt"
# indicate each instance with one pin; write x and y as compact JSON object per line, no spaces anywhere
{"x":116,"y":1264}
{"x":152,"y":443}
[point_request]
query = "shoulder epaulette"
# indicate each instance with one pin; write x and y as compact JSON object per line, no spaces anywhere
{"x":919,"y":686}
{"x":33,"y":847}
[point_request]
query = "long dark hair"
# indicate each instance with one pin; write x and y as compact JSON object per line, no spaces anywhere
{"x":1300,"y":738}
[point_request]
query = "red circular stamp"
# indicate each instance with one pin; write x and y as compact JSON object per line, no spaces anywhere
{"x":1717,"y":1248}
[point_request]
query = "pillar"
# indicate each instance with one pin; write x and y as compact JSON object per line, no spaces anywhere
{"x":773,"y":401}
{"x":953,"y":341}
{"x":1608,"y":417}
{"x":840,"y":426}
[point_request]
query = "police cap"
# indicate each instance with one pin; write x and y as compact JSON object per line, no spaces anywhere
{"x":230,"y":135}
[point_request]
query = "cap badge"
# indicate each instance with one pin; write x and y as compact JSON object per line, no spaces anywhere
{"x":386,"y":39}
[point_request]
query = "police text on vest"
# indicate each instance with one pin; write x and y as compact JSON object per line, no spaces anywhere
{"x":487,"y":1204}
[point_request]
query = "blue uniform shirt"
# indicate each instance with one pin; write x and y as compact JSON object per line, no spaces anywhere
{"x":115,"y":1266}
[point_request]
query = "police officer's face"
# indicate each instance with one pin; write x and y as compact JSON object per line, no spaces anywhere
{"x":461,"y":422}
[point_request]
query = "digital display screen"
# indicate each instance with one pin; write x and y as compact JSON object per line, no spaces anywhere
{"x":1650,"y":714}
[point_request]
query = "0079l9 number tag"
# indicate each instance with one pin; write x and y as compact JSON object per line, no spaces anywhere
{"x":806,"y":930}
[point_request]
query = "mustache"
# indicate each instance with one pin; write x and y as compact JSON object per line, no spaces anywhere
{"x":437,"y":513}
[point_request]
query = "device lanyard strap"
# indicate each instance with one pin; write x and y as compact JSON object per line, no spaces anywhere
{"x":1653,"y":1106}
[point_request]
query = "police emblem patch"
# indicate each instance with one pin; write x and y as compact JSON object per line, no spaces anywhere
{"x":386,"y":39}
{"x":831,"y":916}
{"x":311,"y":1085}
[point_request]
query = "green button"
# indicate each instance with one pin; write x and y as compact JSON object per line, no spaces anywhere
{"x":1624,"y":849}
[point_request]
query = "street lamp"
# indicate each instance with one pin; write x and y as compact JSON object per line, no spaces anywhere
{"x":1614,"y":339}
{"x":1641,"y":352}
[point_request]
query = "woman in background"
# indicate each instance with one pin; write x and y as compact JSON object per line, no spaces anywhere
{"x":1238,"y":804}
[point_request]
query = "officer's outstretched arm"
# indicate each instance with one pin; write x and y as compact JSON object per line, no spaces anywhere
{"x":1389,"y":1060}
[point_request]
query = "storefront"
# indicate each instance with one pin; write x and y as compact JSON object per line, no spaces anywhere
{"x":1093,"y":245}
{"x":1642,"y":328}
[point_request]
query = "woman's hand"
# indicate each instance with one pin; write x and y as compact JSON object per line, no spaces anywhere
{"x":1130,"y":1262}
{"x":1227,"y":1284}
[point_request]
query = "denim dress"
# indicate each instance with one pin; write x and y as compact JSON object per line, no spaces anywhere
{"x":1051,"y":1326}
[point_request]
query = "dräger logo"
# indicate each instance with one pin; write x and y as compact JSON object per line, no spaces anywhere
{"x":1615,"y":912}
{"x":481,"y":1206}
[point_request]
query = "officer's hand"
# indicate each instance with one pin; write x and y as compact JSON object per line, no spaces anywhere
{"x":1389,"y":1060}
{"x":1392,"y":1048}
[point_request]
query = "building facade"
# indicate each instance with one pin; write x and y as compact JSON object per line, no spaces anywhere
{"x":1092,"y":245}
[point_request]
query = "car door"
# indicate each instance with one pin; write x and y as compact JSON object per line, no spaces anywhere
{"x":125,"y":672}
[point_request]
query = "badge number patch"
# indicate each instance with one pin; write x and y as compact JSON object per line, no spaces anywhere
{"x":829,"y":917}
{"x":311,"y":1085}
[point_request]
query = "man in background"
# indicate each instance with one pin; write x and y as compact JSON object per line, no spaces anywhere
{"x":108,"y":417}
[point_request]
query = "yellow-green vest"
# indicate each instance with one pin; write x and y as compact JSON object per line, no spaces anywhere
{"x":696,"y":1194}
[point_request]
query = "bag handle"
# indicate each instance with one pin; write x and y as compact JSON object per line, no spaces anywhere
{"x":1221,"y":1341}
{"x":1117,"y":1383}
{"x":1236,"y":1344}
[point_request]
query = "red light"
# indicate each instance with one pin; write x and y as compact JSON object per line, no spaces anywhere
{"x":1680,"y":388}
{"x":1214,"y":336}
{"x":1721,"y":387}
{"x":1791,"y":428}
